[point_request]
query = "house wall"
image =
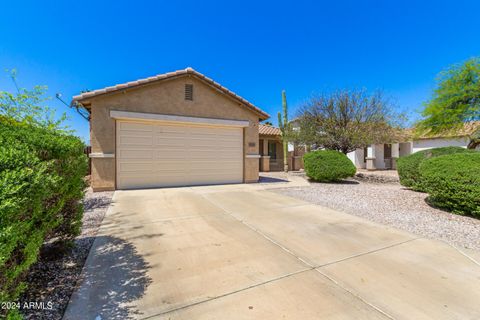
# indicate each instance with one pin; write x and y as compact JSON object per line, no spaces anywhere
{"x":379,"y":157}
{"x":357,"y":157}
{"x":424,"y":144}
{"x":404,"y":149}
{"x":165,"y":98}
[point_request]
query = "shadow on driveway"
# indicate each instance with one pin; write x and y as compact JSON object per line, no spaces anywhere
{"x":114,"y":276}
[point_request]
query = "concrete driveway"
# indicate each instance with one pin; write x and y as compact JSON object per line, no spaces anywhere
{"x":241,"y":252}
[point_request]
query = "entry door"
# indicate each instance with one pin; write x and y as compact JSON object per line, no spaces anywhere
{"x":155,"y":154}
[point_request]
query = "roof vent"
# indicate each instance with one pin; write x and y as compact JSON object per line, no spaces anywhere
{"x":189,"y":92}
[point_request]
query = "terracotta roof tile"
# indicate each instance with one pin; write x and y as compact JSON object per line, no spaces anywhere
{"x":268,"y":130}
{"x":131,"y":84}
{"x":467,"y":129}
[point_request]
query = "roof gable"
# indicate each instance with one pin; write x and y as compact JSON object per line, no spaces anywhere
{"x":86,"y":96}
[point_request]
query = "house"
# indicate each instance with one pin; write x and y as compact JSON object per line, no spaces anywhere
{"x":271,"y":151}
{"x":383,"y":156}
{"x":174,"y":129}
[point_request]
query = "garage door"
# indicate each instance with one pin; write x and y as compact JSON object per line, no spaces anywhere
{"x":156,"y":154}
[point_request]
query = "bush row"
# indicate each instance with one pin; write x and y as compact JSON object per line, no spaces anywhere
{"x":409,"y":167}
{"x":451,"y":176}
{"x":41,"y":184}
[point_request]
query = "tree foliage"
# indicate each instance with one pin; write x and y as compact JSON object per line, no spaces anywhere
{"x":455,"y":101}
{"x":28,"y":106}
{"x":346,"y":120}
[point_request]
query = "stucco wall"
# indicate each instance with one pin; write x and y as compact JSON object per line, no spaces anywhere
{"x":379,"y":156}
{"x":166,"y":97}
{"x":405,"y":148}
{"x":424,"y":144}
{"x":357,"y":158}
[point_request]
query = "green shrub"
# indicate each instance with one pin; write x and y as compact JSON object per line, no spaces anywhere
{"x":41,"y":184}
{"x":453,"y":182}
{"x":328,"y":166}
{"x":408,"y":167}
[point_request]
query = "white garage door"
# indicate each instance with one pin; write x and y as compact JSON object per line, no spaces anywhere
{"x":153,"y":154}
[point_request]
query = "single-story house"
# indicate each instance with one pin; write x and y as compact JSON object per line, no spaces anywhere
{"x":174,"y":129}
{"x":383,"y":156}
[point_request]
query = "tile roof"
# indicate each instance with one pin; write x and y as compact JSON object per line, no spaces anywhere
{"x":188,"y":71}
{"x":467,"y":129}
{"x":268,"y":130}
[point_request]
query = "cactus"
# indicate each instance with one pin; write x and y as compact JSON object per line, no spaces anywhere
{"x":283,"y":125}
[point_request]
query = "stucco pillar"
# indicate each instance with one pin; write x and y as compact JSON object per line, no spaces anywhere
{"x":370,"y":159}
{"x":265,"y":147}
{"x":395,"y":154}
{"x":265,"y":159}
{"x":265,"y":163}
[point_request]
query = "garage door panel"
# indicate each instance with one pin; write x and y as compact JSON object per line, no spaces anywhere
{"x":171,"y":155}
{"x":136,"y":141}
{"x":135,"y":127}
{"x":135,"y":154}
{"x":135,"y":167}
{"x":177,"y":155}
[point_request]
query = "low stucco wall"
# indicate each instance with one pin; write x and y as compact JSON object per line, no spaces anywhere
{"x":165,"y":98}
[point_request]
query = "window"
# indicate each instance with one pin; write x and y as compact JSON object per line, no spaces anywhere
{"x":272,"y":149}
{"x":189,"y":92}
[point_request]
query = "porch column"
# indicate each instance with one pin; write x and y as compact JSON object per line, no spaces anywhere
{"x":395,"y":154}
{"x":371,"y":157}
{"x":265,"y":159}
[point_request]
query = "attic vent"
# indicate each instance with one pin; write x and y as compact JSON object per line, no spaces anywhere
{"x":189,"y":92}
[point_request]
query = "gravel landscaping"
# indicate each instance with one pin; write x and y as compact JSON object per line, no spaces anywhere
{"x":392,"y":205}
{"x":53,"y":278}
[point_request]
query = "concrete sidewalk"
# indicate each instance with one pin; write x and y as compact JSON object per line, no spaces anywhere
{"x":241,"y":252}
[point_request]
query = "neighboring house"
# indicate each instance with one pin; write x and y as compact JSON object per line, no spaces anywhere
{"x":271,"y":151}
{"x":174,"y":129}
{"x":383,"y":156}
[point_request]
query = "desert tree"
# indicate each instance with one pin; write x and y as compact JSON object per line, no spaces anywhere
{"x":345,"y":120}
{"x":455,"y":103}
{"x":29,"y":106}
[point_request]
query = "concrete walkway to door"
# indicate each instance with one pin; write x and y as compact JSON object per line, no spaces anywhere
{"x":242,"y":252}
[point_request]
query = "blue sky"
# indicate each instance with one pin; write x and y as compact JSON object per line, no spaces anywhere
{"x":254,"y":48}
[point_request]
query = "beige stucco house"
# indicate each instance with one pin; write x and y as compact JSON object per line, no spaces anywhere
{"x":174,"y":129}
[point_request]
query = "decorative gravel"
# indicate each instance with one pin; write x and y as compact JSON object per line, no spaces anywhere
{"x":392,"y":205}
{"x":53,"y":278}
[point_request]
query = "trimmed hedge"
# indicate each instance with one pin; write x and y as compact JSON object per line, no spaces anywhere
{"x":408,"y":167}
{"x":328,"y":166}
{"x":453,"y":182}
{"x":41,"y":184}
